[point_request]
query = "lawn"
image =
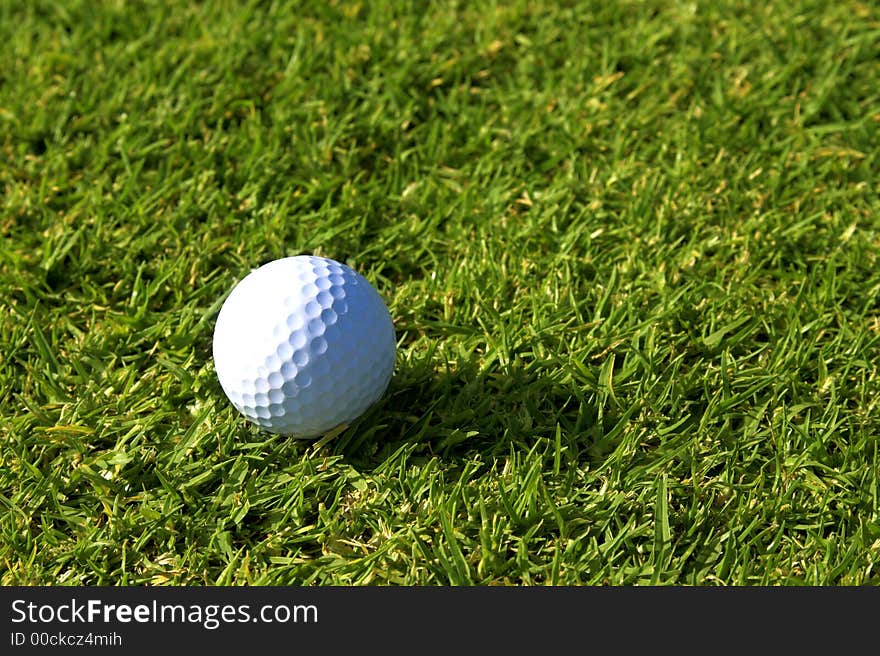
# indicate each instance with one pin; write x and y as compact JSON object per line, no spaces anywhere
{"x":630,"y":250}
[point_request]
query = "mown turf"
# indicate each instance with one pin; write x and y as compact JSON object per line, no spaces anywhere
{"x":630,"y":248}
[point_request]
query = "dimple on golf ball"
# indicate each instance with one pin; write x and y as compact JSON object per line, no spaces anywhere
{"x":304,"y":344}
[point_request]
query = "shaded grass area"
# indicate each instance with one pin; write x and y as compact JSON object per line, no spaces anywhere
{"x":630,"y":249}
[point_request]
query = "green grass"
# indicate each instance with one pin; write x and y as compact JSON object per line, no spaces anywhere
{"x":630,"y":248}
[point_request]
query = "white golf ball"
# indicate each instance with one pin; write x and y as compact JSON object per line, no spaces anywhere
{"x":304,"y":344}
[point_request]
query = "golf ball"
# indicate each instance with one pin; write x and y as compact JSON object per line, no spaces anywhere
{"x":303,"y":344}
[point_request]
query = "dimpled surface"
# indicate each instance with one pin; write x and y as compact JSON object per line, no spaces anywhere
{"x":303,"y":344}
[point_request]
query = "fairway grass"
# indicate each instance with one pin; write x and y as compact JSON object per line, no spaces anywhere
{"x":630,"y":250}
